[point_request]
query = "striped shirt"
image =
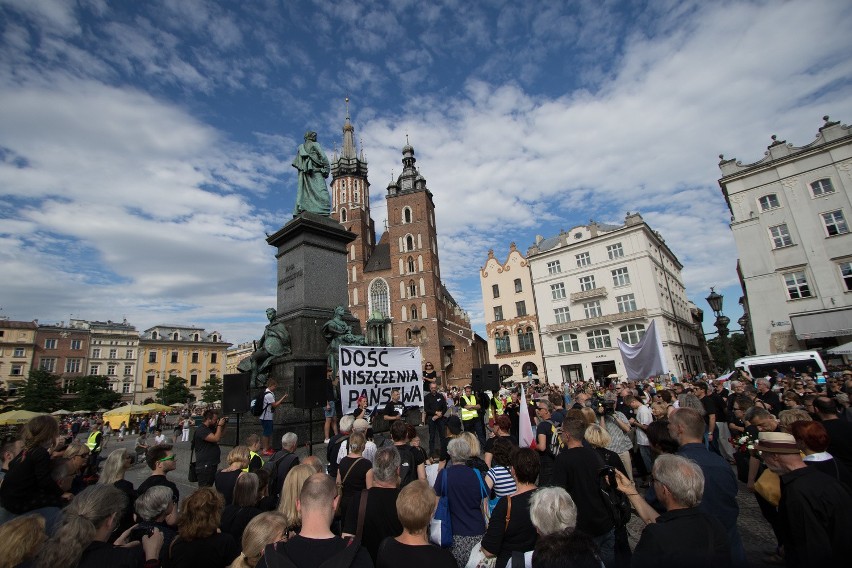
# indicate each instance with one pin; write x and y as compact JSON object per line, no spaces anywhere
{"x":504,"y":483}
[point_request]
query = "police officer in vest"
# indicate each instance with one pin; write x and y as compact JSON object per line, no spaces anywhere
{"x":94,"y":443}
{"x":470,"y":409}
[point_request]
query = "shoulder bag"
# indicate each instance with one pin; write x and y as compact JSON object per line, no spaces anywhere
{"x":440,"y":527}
{"x":341,"y":484}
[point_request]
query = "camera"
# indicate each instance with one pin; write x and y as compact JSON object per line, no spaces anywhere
{"x":226,"y":419}
{"x":137,"y":533}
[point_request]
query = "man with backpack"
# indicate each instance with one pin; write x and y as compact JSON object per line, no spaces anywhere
{"x":547,"y":440}
{"x":264,"y":405}
{"x":412,"y":465}
{"x":335,"y":444}
{"x":281,"y":463}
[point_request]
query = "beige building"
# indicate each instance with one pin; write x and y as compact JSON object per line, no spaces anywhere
{"x":180,"y":351}
{"x":17,"y":346}
{"x":511,"y":323}
{"x":236,"y":354}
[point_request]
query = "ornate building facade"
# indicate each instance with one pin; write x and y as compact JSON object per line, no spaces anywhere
{"x":395,"y":286}
{"x":17,"y":346}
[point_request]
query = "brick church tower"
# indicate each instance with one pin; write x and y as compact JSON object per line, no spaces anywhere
{"x":395,"y":286}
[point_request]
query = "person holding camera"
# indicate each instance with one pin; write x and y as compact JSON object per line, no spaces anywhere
{"x":206,"y":442}
{"x":618,"y":428}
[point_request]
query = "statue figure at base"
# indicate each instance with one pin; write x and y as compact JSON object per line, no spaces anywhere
{"x":337,"y":332}
{"x":311,"y":192}
{"x":272,"y":345}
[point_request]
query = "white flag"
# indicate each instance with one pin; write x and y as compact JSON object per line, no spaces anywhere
{"x":644,"y":359}
{"x":526,"y":437}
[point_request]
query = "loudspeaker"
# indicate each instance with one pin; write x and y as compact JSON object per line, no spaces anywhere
{"x":235,"y":395}
{"x":491,"y":378}
{"x":309,"y":386}
{"x":476,"y":379}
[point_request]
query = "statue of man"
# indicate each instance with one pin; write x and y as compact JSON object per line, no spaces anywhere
{"x":337,"y":332}
{"x":312,"y":193}
{"x":274,"y":343}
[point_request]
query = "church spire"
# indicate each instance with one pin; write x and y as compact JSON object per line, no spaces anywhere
{"x":348,"y":136}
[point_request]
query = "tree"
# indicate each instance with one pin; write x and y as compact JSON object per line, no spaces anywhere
{"x":174,"y":390}
{"x":739,"y":348}
{"x":212,"y":390}
{"x":40,"y":392}
{"x":93,"y":392}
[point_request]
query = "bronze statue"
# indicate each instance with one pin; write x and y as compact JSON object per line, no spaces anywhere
{"x":337,"y":332}
{"x":272,"y":345}
{"x":311,"y":192}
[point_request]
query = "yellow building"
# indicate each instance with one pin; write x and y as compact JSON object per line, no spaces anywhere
{"x":17,"y":345}
{"x":180,"y":351}
{"x":236,"y":354}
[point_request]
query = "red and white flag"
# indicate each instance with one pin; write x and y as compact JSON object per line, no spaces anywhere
{"x":526,"y":436}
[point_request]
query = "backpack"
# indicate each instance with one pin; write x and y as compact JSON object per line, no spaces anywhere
{"x":407,"y":467}
{"x":616,"y":502}
{"x":275,"y":484}
{"x":257,"y":406}
{"x":331,"y":452}
{"x":556,"y":443}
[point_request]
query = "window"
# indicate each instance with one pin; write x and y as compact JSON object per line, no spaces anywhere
{"x":592,"y":309}
{"x":111,"y":369}
{"x":525,"y":340}
{"x":498,"y":313}
{"x":406,"y":215}
{"x":96,"y":353}
{"x":632,"y":333}
{"x":343,"y":218}
{"x":76,"y":344}
{"x":410,"y":264}
{"x":149,"y":381}
{"x":598,"y":339}
{"x":835,"y":224}
{"x":412,"y":289}
{"x":413,"y":312}
{"x":521,"y":308}
{"x":554,"y":267}
{"x":557,"y":291}
{"x":846,"y":275}
{"x":128,"y":370}
{"x":567,"y":343}
{"x":562,"y":315}
{"x":193,"y":379}
{"x":797,"y":285}
{"x":48,"y":364}
{"x":174,"y":358}
{"x":409,"y":243}
{"x":214,"y":357}
{"x":175,"y":336}
{"x":128,"y":354}
{"x":768,"y":202}
{"x":195,"y":357}
{"x":17,"y":369}
{"x":125,"y":388}
{"x":50,"y":344}
{"x":518,"y":286}
{"x":502,"y":342}
{"x":72,"y":365}
{"x":152,"y":356}
{"x":215,"y":338}
{"x":155,"y":335}
{"x":587,"y":283}
{"x":583,"y":259}
{"x":19,"y":352}
{"x":620,"y":277}
{"x":113,"y":353}
{"x":495,"y":290}
{"x":95,"y":370}
{"x":780,"y":236}
{"x":614,"y":251}
{"x":626,"y":303}
{"x":379,"y":302}
{"x":822,"y":187}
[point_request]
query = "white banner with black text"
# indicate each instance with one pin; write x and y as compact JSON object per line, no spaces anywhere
{"x":374,"y":372}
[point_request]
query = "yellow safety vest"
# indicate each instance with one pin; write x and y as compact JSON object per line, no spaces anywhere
{"x":91,"y":442}
{"x":499,"y":404}
{"x":467,"y":413}
{"x":253,"y":455}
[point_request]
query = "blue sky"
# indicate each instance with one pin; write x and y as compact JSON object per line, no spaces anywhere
{"x":145,"y":147}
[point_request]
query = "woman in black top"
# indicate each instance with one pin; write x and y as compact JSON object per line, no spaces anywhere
{"x":198,"y":542}
{"x":237,"y":515}
{"x":115,"y":466}
{"x":429,"y":376}
{"x":354,"y":472}
{"x":226,"y":480}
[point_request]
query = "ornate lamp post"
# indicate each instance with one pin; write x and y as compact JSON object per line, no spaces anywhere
{"x":715,"y":301}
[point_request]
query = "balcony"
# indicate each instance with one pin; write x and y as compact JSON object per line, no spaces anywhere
{"x":587,"y":294}
{"x":598,"y":321}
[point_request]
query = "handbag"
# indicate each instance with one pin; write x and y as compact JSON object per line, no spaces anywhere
{"x":485,"y":505}
{"x":192,"y":476}
{"x":768,"y":486}
{"x":440,"y":527}
{"x":340,"y":486}
{"x":477,"y":558}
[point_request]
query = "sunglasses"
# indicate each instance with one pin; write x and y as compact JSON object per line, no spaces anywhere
{"x":167,"y":458}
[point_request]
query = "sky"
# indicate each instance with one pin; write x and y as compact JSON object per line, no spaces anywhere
{"x":145,"y":147}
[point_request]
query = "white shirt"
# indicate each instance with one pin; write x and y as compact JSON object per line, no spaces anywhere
{"x":644,"y":417}
{"x":161,"y":439}
{"x":269,"y":411}
{"x":369,"y":451}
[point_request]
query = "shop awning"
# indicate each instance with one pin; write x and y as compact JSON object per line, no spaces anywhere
{"x":845,"y":349}
{"x":835,"y":323}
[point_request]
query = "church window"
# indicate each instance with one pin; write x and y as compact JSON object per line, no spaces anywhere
{"x":413,"y":312}
{"x":408,"y":334}
{"x":379,"y":298}
{"x":404,"y":313}
{"x":409,"y":243}
{"x":356,"y":195}
{"x":412,"y":289}
{"x":355,"y":296}
{"x":343,"y":215}
{"x":343,"y":195}
{"x":406,"y":215}
{"x":410,"y":264}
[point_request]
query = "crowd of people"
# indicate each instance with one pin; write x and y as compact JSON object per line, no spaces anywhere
{"x":484,"y":489}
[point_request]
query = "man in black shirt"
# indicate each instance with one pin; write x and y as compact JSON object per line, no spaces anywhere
{"x":394,"y":409}
{"x":160,"y":460}
{"x":282,"y":462}
{"x":206,"y":446}
{"x":769,"y":398}
{"x":543,"y":439}
{"x":711,"y":413}
{"x":435,"y":406}
{"x":412,"y":464}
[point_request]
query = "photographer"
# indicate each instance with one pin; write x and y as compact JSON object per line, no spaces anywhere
{"x":206,"y":442}
{"x":618,"y":428}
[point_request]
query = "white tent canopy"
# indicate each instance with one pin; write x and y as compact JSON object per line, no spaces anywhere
{"x":845,"y":349}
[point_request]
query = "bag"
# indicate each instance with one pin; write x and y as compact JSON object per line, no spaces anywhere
{"x":477,"y":559}
{"x":483,"y":496}
{"x":274,"y":485}
{"x":616,"y":502}
{"x":257,"y":403}
{"x":407,"y":469}
{"x":556,"y":443}
{"x":768,"y":486}
{"x":440,"y":527}
{"x":192,"y":477}
{"x":341,"y":484}
{"x":331,"y":452}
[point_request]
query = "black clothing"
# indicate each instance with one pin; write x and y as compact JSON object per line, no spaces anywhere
{"x":154,"y":480}
{"x":428,"y":556}
{"x":394,"y":408}
{"x":100,"y":554}
{"x":126,"y":520}
{"x":225,"y":483}
{"x":684,"y":537}
{"x":216,"y":551}
{"x":771,"y":399}
{"x":380,"y":519}
{"x":279,"y":466}
{"x":815,"y":519}
{"x":410,"y":460}
{"x":432,"y":376}
{"x":519,"y":536}
{"x":545,"y":454}
{"x":512,"y":410}
{"x":835,"y":469}
{"x":235,"y":519}
{"x":434,"y":402}
{"x":311,"y":552}
{"x":169,"y":534}
{"x":624,"y":408}
{"x":840,"y":441}
{"x":577,"y":471}
{"x":205,"y":452}
{"x":331,"y":451}
{"x":353,"y":482}
{"x":28,"y":485}
{"x":710,"y":404}
{"x":611,"y":459}
{"x":488,"y":448}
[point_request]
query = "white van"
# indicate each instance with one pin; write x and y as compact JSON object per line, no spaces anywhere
{"x":762,"y":365}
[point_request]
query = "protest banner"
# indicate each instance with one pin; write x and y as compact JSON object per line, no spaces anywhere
{"x":376,"y":371}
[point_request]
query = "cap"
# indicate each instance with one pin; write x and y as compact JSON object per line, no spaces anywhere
{"x":776,"y":443}
{"x":454,"y":425}
{"x":360,"y":425}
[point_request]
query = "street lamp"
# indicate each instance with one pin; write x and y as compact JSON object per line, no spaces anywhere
{"x":715,"y":301}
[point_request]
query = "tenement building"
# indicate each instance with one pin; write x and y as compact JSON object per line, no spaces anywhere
{"x":597,"y":282}
{"x":17,"y":346}
{"x":62,"y":350}
{"x":790,"y":220}
{"x":511,"y":323}
{"x":395,"y":286}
